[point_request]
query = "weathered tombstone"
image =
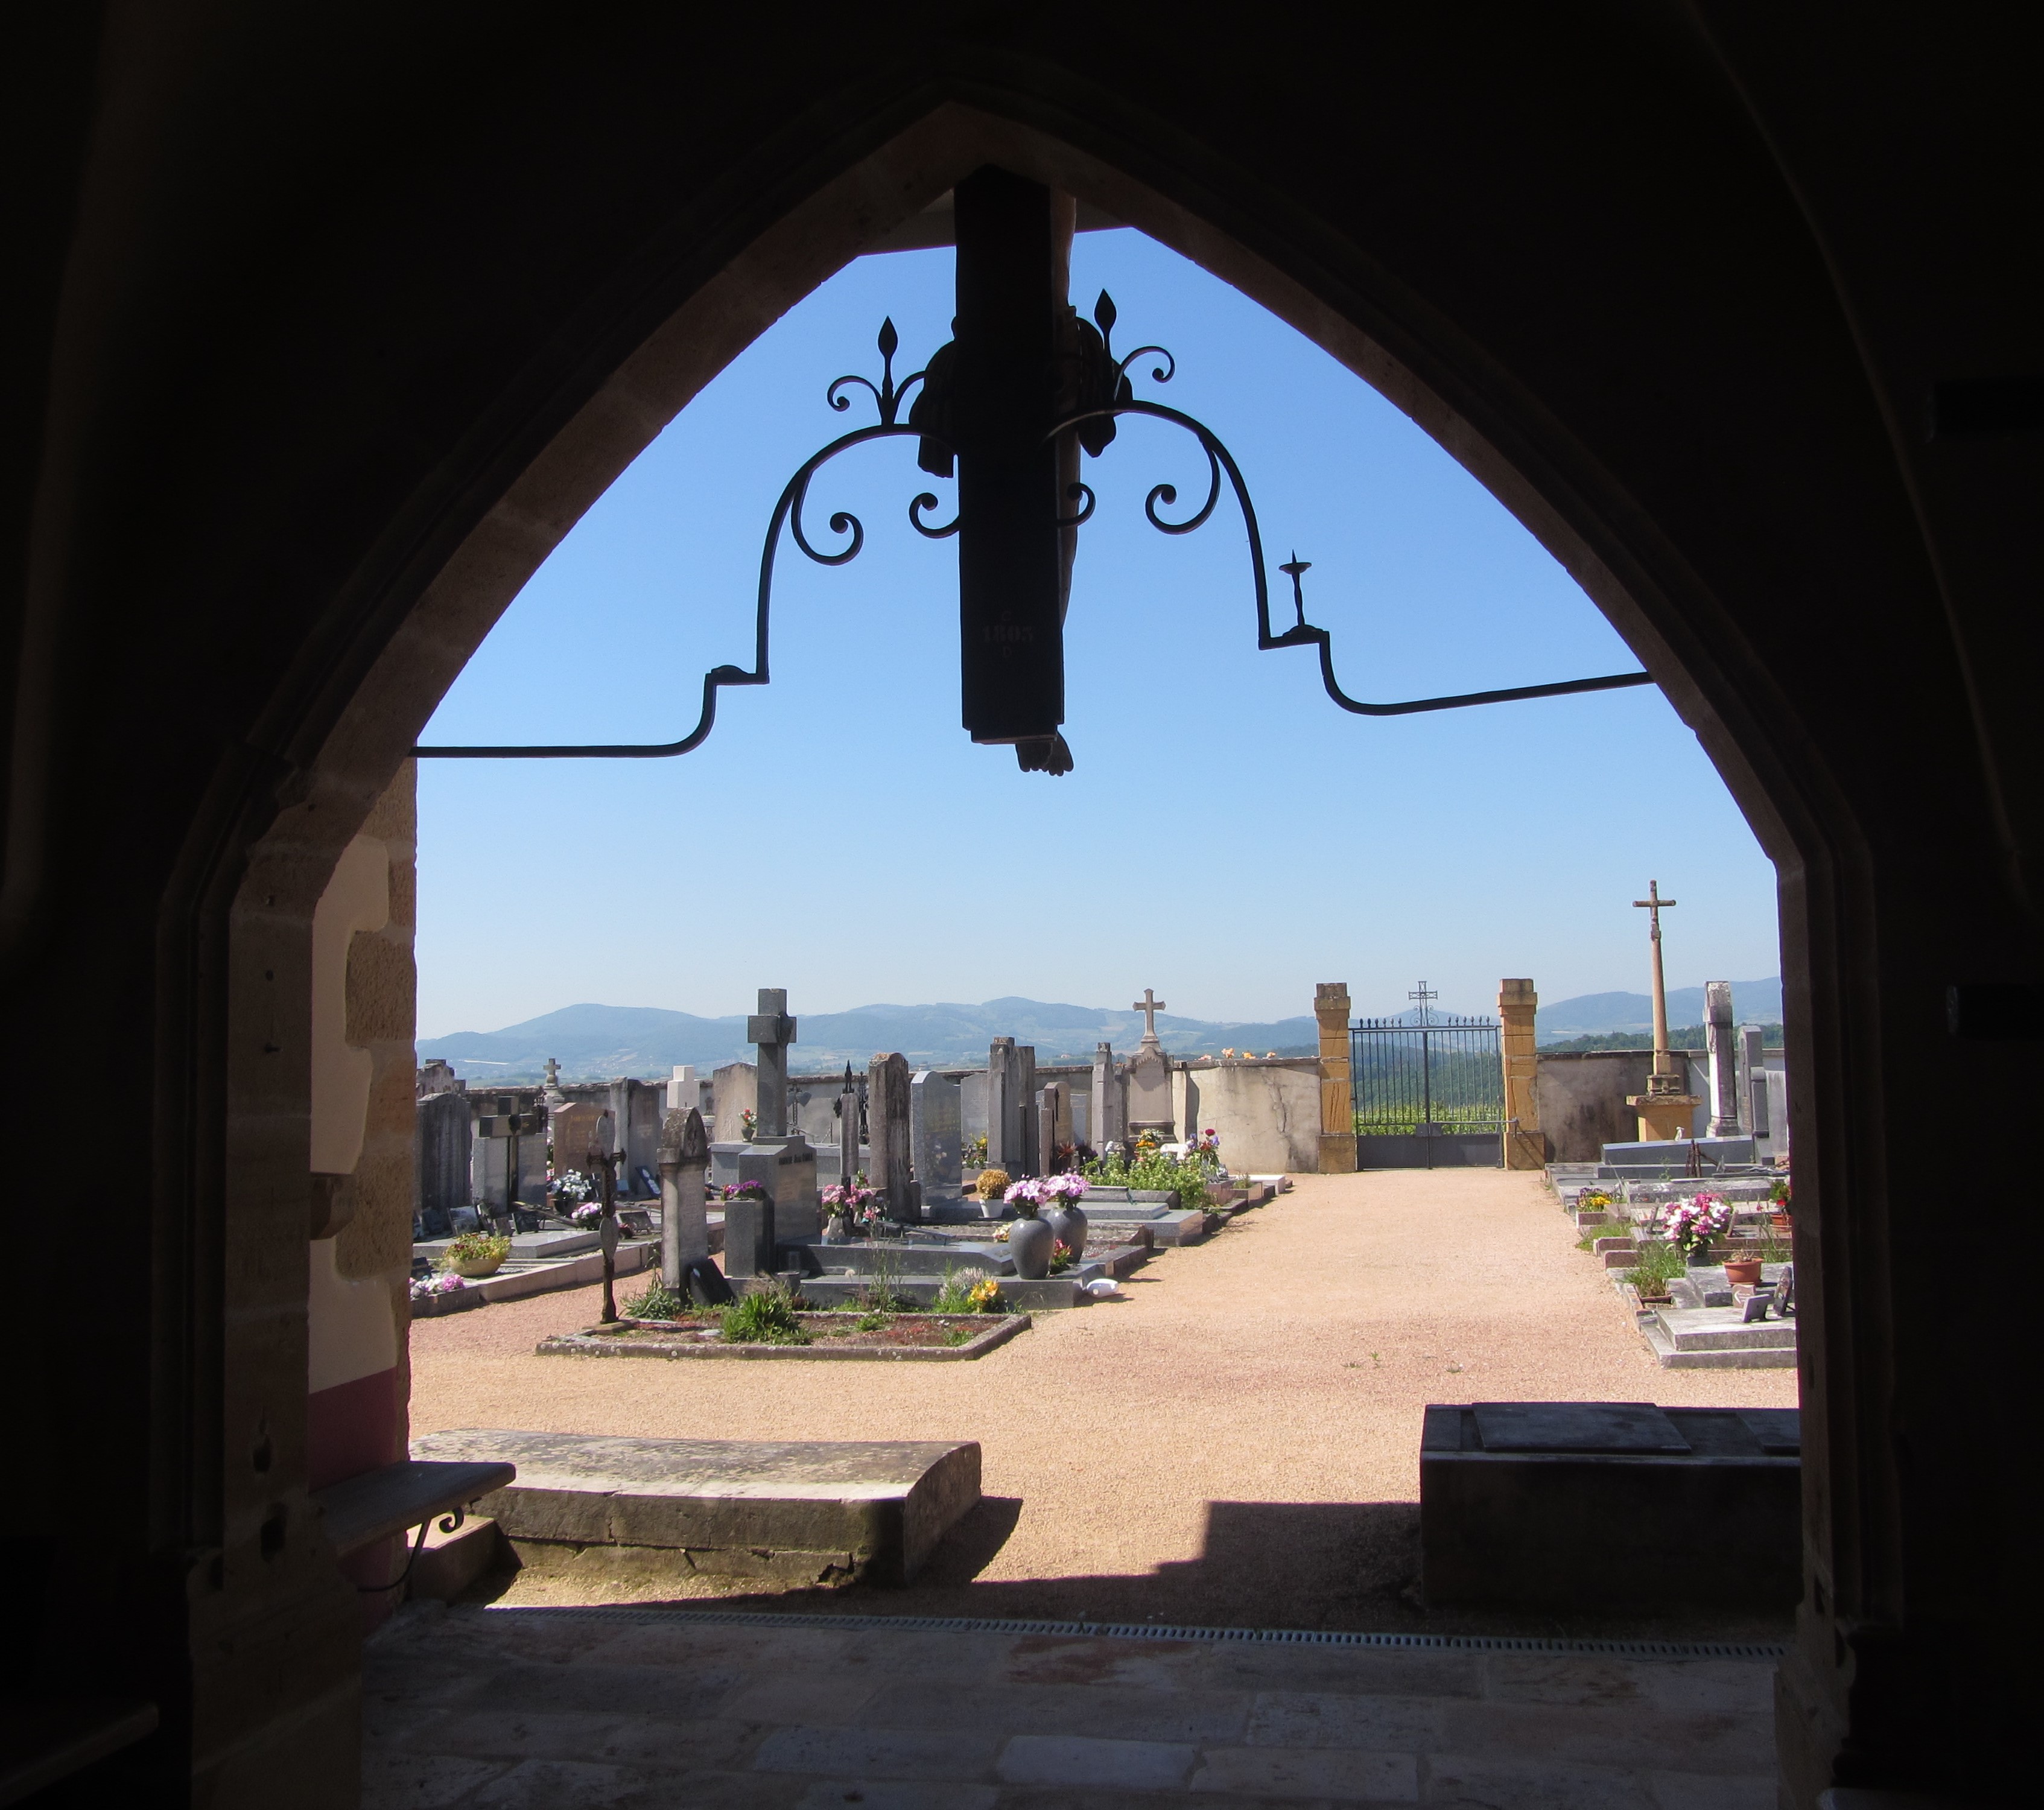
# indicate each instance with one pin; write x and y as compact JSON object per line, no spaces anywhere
{"x":1724,"y":1063}
{"x":786,"y":1170}
{"x":734,"y":1091}
{"x":748,"y":1238}
{"x":443,"y":1154}
{"x":1034,"y":1159}
{"x":1107,"y":1121}
{"x":936,"y":1134}
{"x":1004,"y":1127}
{"x":684,"y":1174}
{"x":772,"y":1030}
{"x":1046,"y":1126}
{"x":887,"y":1135}
{"x":1752,"y":1067}
{"x":575,"y":1129}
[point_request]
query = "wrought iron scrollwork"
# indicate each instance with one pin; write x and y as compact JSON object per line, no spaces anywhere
{"x":1106,"y":394}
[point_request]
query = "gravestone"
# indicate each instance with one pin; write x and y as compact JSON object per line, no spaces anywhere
{"x":848,"y":1139}
{"x":936,"y":1133}
{"x":1004,"y":1102}
{"x":1724,"y":1059}
{"x":1107,"y":1122}
{"x":684,"y":1173}
{"x":749,"y":1240}
{"x":1752,"y":1067}
{"x":1149,"y":1090}
{"x":772,"y":1030}
{"x":443,"y":1153}
{"x":734,"y":1091}
{"x":786,"y":1169}
{"x":684,"y":1092}
{"x":887,"y":1135}
{"x":1046,"y":1126}
{"x":576,"y":1128}
{"x":1033,"y":1160}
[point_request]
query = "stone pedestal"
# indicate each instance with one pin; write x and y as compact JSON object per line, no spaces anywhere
{"x":786,"y":1168}
{"x":1518,"y":1005}
{"x":1664,"y":1116}
{"x":1330,"y":1008}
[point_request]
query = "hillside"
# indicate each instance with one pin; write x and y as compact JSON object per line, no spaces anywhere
{"x":1596,"y":1014}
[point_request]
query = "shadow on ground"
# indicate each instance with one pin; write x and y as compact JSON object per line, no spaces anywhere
{"x":1342,"y":1566}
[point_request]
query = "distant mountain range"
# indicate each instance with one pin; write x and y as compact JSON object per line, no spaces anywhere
{"x":597,"y":1042}
{"x":1753,"y":1002}
{"x":594,"y":1042}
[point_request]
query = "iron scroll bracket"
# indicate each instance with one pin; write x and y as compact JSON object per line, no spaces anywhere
{"x":889,"y":396}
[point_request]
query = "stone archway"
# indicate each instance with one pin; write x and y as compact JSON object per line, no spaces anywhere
{"x":325,"y":547}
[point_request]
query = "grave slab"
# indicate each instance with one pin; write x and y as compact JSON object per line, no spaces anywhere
{"x":832,"y":1511}
{"x":1591,"y":1526}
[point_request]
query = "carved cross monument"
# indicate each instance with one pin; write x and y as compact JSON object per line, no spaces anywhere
{"x":773,"y":1031}
{"x":1665,"y":1108}
{"x":1150,"y":1005}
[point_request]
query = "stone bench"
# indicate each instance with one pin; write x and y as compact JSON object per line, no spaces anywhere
{"x":797,"y":1512}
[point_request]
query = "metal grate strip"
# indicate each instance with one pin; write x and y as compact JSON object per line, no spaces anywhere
{"x":1750,"y":1650}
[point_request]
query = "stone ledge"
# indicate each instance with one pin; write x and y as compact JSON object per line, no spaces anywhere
{"x":596,"y":1343}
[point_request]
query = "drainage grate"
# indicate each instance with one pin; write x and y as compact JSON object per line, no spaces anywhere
{"x":1750,"y":1650}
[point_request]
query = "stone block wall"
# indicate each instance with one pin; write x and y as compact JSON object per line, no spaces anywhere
{"x":1266,"y":1113}
{"x":1581,"y":1098}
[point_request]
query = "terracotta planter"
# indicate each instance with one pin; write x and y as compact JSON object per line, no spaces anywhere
{"x":1029,"y":1242}
{"x":475,"y":1268}
{"x":1745,"y":1269}
{"x":1782,"y":1223}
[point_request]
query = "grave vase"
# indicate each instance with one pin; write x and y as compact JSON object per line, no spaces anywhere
{"x":1029,"y":1242}
{"x":1068,"y":1227}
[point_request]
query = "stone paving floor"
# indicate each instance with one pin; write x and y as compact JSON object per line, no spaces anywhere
{"x":632,"y":1707}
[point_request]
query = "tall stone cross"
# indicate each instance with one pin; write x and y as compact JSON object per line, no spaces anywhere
{"x":1149,"y":1005}
{"x":1664,"y":1062}
{"x":772,"y":1030}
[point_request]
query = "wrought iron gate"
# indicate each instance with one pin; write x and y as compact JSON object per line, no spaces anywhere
{"x":1427,"y":1095}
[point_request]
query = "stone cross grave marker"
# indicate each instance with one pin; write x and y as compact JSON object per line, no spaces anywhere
{"x":772,"y":1030}
{"x":1149,"y":1088}
{"x":684,"y":1092}
{"x":937,"y":1131}
{"x":1149,"y":1005}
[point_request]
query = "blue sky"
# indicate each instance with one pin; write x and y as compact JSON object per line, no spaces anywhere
{"x":1229,"y":836}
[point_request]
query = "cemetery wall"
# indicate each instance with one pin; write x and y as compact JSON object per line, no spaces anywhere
{"x":363,"y":1138}
{"x":1580,"y":1096}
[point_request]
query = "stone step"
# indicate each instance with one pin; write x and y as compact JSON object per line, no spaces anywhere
{"x":797,"y":1511}
{"x":1717,"y":1338}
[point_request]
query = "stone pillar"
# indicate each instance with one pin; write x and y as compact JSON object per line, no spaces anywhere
{"x":1525,"y":1144}
{"x":1331,"y":1007}
{"x":1724,"y":1059}
{"x":847,"y":1131}
{"x":1046,"y":1127}
{"x":935,"y":1133}
{"x":684,"y":1173}
{"x":1034,"y":1160}
{"x":1003,"y":1136}
{"x":887,"y":1135}
{"x":773,"y":1031}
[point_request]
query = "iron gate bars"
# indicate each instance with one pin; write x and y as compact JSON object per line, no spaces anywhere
{"x":1439,"y":1077}
{"x":888,"y":397}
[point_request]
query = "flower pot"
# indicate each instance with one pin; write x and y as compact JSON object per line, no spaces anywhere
{"x":1029,"y":1242}
{"x":1068,"y":1227}
{"x":1699,"y":1256}
{"x":1745,"y":1269}
{"x":1782,"y":1223}
{"x":474,"y":1267}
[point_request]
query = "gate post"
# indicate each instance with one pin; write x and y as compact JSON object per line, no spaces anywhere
{"x":1337,"y":1104}
{"x":1525,"y":1144}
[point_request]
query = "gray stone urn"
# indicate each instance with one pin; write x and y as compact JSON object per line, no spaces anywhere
{"x":1068,"y":1226}
{"x":1029,"y":1242}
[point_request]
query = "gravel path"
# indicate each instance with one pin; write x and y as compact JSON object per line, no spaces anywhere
{"x":1236,"y":1443}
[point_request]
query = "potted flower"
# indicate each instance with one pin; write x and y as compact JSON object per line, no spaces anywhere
{"x":848,"y":1208}
{"x":744,"y":1191}
{"x":991,"y":1186}
{"x":570,"y":1189}
{"x":430,"y":1289}
{"x":1059,"y":1196}
{"x":475,"y":1253}
{"x":748,"y":1122}
{"x":1029,"y":1239}
{"x":1780,"y":1197}
{"x":1690,"y":1225}
{"x":1742,"y":1272}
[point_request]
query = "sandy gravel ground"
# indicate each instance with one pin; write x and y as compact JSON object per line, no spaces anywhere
{"x":1236,"y":1443}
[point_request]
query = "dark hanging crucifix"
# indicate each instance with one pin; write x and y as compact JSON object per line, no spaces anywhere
{"x":1007,"y":407}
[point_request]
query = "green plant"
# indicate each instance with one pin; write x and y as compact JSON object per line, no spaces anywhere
{"x":1061,"y":1258}
{"x":959,"y":1335}
{"x":766,"y":1316}
{"x":1774,"y":1248}
{"x":659,"y":1302}
{"x":882,"y":1295}
{"x":1151,"y":1170}
{"x":873,"y":1322}
{"x":954,"y":1292}
{"x":1660,"y":1263}
{"x":973,"y":1155}
{"x":475,"y":1247}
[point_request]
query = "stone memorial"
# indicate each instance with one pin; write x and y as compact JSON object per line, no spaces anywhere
{"x":684,"y":1174}
{"x":772,"y":1031}
{"x":887,"y":1135}
{"x":1006,"y":1101}
{"x":1149,"y":1079}
{"x":1107,"y":1120}
{"x":684,"y":1092}
{"x":1753,"y":1075}
{"x":1046,"y":1125}
{"x":575,"y":1133}
{"x":1724,"y":1059}
{"x":1666,"y":1108}
{"x":848,"y":1139}
{"x":936,"y":1134}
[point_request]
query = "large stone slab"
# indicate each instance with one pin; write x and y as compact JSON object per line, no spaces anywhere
{"x":833,"y":1511}
{"x":1601,"y":1525}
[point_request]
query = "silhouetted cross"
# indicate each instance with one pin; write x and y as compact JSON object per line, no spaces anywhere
{"x":1654,"y":903}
